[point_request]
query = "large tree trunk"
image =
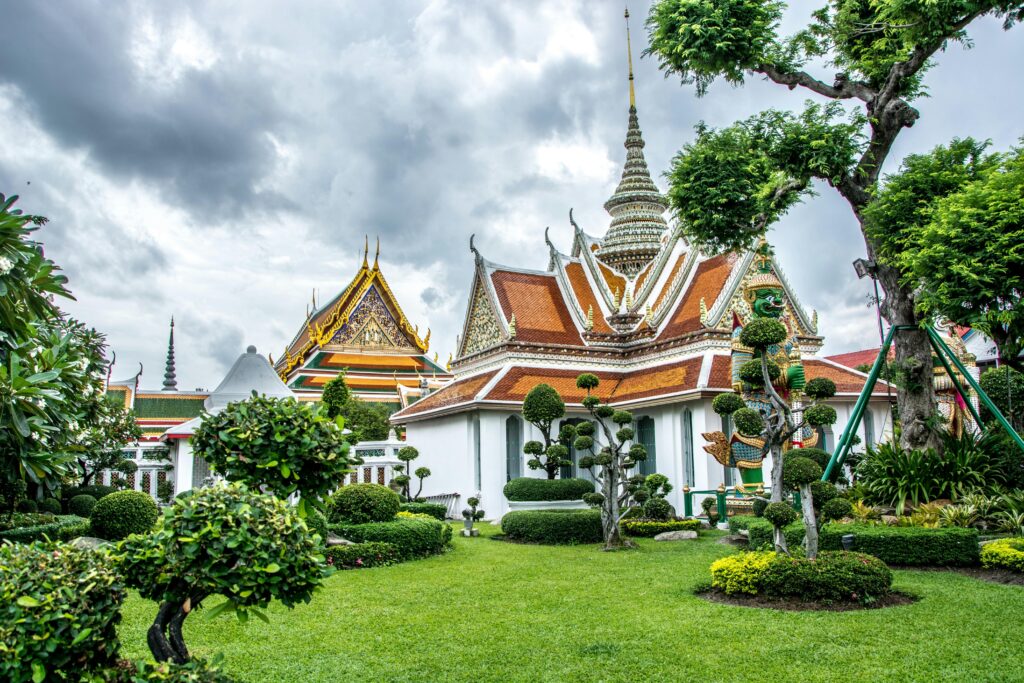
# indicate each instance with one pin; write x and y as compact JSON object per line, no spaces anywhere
{"x":610,"y":510}
{"x":810,"y":522}
{"x":778,"y":536}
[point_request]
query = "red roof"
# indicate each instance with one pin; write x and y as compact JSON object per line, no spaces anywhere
{"x":707,"y":284}
{"x":847,"y":381}
{"x":535,"y":299}
{"x":855,"y":359}
{"x":457,"y":392}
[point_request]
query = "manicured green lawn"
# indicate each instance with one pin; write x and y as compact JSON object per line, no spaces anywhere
{"x":493,"y":611}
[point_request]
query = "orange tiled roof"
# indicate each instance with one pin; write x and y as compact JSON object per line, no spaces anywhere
{"x":615,"y":282}
{"x":457,"y":392}
{"x":586,"y":297}
{"x":642,"y":277}
{"x":707,"y":284}
{"x":668,"y":283}
{"x":542,"y":315}
{"x":847,"y":381}
{"x":647,"y":383}
{"x":318,"y":381}
{"x":361,"y":360}
{"x":853,"y":359}
{"x":721,"y":373}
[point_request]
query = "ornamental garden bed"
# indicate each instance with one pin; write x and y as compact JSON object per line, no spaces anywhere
{"x":28,"y":527}
{"x":893,"y":599}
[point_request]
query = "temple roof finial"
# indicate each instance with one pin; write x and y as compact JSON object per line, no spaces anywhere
{"x":170,"y":379}
{"x":366,"y":250}
{"x":629,"y":55}
{"x":376,"y":257}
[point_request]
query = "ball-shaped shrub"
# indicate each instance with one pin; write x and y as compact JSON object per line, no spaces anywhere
{"x":657,"y":508}
{"x":748,"y":422}
{"x":820,"y":387}
{"x":59,"y":606}
{"x":123,"y":513}
{"x":780,"y":514}
{"x":280,"y":444}
{"x":81,"y":505}
{"x":97,"y":491}
{"x":224,"y":540}
{"x":726,"y":404}
{"x":363,"y":503}
{"x":27,"y":505}
{"x":50,"y":505}
{"x":822,"y":492}
{"x":543,"y":405}
{"x":759,"y":506}
{"x":587,"y":381}
{"x":761,"y":333}
{"x":553,"y":527}
{"x":835,"y":576}
{"x":622,"y":417}
{"x":750,"y":372}
{"x":531,"y":489}
{"x":836,"y":509}
{"x":820,"y":415}
{"x":585,"y":429}
{"x":799,"y":471}
{"x":816,"y":454}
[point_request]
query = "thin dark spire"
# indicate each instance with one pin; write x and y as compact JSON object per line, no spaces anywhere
{"x":170,"y":380}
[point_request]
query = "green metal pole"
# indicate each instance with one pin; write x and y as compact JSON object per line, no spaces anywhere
{"x":797,"y":504}
{"x":843,"y":447}
{"x":687,"y":503}
{"x":977,"y":388}
{"x":720,"y":496}
{"x":940,"y":352}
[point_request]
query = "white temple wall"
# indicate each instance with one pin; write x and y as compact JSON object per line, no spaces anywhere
{"x":181,"y":455}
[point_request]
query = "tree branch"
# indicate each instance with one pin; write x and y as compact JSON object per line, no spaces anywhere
{"x":842,"y":89}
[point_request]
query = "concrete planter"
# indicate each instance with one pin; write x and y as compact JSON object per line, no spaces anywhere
{"x":514,"y":505}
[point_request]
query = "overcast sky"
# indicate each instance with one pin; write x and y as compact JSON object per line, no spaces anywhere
{"x":219,"y":161}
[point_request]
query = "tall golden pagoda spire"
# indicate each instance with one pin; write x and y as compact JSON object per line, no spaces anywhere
{"x":629,"y":56}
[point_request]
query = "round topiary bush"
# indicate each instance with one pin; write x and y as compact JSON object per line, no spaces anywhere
{"x":50,"y":505}
{"x":820,"y":387}
{"x":97,"y":491}
{"x":658,"y":509}
{"x":820,"y":415}
{"x":27,"y":505}
{"x":412,"y":537}
{"x":59,"y":606}
{"x":816,"y":454}
{"x":835,"y":509}
{"x":122,"y":514}
{"x":759,"y":506}
{"x":748,"y":422}
{"x":531,"y":489}
{"x":835,"y":576}
{"x":726,"y":404}
{"x":363,"y":503}
{"x":553,"y":526}
{"x":780,"y":514}
{"x":750,"y":372}
{"x":82,"y":505}
{"x":822,"y":492}
{"x":761,"y":333}
{"x":798,"y":471}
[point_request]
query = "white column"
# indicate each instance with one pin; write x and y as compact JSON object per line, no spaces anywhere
{"x":181,"y":455}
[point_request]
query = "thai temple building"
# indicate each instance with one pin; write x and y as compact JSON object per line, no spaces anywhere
{"x":653,"y":317}
{"x":363,"y":333}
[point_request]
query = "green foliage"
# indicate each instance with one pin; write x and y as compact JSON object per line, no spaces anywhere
{"x":195,"y":671}
{"x":97,"y":491}
{"x":587,"y":381}
{"x":317,"y":524}
{"x":59,"y":610}
{"x":700,"y":40}
{"x":752,"y":373}
{"x":760,"y":333}
{"x":741,"y":573}
{"x":532,"y":489}
{"x":1006,"y":553}
{"x":27,"y":528}
{"x":836,"y":509}
{"x":820,"y":415}
{"x":435,"y":510}
{"x":759,"y":506}
{"x":27,"y":505}
{"x":363,"y":555}
{"x":820,"y":388}
{"x":907,"y":545}
{"x":823,"y":492}
{"x":82,"y":505}
{"x":368,"y":421}
{"x":543,"y":406}
{"x":779,"y":514}
{"x":123,"y":513}
{"x":748,"y":422}
{"x":553,"y":527}
{"x":817,"y":455}
{"x":363,"y":503}
{"x":110,"y":428}
{"x":1005,"y":387}
{"x":647,"y":528}
{"x":335,"y":395}
{"x":832,"y":577}
{"x":52,"y":506}
{"x":799,"y":471}
{"x":727,"y":404}
{"x":411,"y":537}
{"x":283,"y":445}
{"x":657,"y":509}
{"x":225,"y":540}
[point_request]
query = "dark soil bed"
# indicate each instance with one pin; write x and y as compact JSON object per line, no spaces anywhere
{"x":894,"y":599}
{"x":1003,"y":576}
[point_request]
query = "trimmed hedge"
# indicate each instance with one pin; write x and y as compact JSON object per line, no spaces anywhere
{"x":59,"y":607}
{"x":363,"y":504}
{"x":97,"y":491}
{"x":317,"y":523}
{"x":50,"y":505}
{"x":411,"y":537}
{"x":435,"y":510}
{"x":81,"y":505}
{"x":122,"y":514}
{"x":59,"y":528}
{"x":900,"y":545}
{"x":649,"y":528}
{"x":529,"y":489}
{"x":553,"y":526}
{"x":362,"y":555}
{"x":1006,"y":553}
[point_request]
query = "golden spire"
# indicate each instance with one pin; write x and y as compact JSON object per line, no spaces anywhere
{"x":629,"y":54}
{"x":366,"y":250}
{"x":377,"y":255}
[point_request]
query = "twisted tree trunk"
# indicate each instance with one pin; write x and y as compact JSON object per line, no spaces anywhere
{"x":810,"y":522}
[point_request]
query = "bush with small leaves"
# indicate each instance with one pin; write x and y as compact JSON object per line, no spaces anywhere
{"x":822,"y":492}
{"x":363,"y":503}
{"x":363,"y":555}
{"x":195,"y":671}
{"x":593,"y":499}
{"x":727,"y":404}
{"x":779,"y":514}
{"x":748,"y":422}
{"x":798,"y":471}
{"x":532,"y":489}
{"x":97,"y":491}
{"x":750,"y":372}
{"x":816,"y":454}
{"x":760,"y":333}
{"x":759,"y":506}
{"x":587,"y":381}
{"x":82,"y":505}
{"x":657,"y":509}
{"x":27,"y":505}
{"x":820,"y":388}
{"x":51,"y":505}
{"x":820,"y":415}
{"x":59,"y":610}
{"x":413,"y":538}
{"x":553,"y":526}
{"x":836,"y":509}
{"x":251,"y":548}
{"x":123,"y":513}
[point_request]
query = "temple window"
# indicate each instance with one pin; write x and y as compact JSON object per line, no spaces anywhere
{"x":689,"y":475}
{"x":513,"y":447}
{"x":645,"y":437}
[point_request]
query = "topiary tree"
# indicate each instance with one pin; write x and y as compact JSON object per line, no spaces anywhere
{"x":82,"y":505}
{"x":123,"y":513}
{"x":407,"y":454}
{"x":542,"y":408}
{"x":798,"y":473}
{"x":755,"y":170}
{"x":777,"y":423}
{"x":608,"y":464}
{"x":335,"y":395}
{"x":279,"y":444}
{"x":225,"y":540}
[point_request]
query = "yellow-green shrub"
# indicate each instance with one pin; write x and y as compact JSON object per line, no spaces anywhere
{"x":1006,"y":553}
{"x":741,"y":573}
